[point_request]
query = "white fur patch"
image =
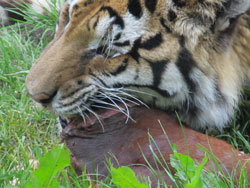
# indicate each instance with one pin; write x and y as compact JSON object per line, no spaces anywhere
{"x":133,"y":29}
{"x":213,"y":111}
{"x":103,"y":25}
{"x":101,"y":30}
{"x":172,"y":81}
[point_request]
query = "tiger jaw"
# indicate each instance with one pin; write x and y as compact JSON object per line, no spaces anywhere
{"x":90,"y":104}
{"x":97,"y":113}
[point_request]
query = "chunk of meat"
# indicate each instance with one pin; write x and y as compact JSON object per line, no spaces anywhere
{"x":125,"y":142}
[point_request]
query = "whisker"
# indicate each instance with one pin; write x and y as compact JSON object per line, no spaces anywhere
{"x":133,"y":97}
{"x":125,"y":112}
{"x":106,"y":103}
{"x":125,"y":89}
{"x":85,"y":114}
{"x":111,"y":99}
{"x":101,"y":102}
{"x":97,"y":117}
{"x":126,"y":98}
{"x":137,"y":91}
{"x":105,"y":107}
{"x":122,"y":101}
{"x":105,"y":44}
{"x":82,"y":114}
{"x":110,"y":46}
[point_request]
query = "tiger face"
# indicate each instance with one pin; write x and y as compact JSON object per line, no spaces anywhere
{"x":164,"y":53}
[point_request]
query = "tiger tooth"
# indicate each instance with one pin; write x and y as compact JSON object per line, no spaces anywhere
{"x":116,"y":54}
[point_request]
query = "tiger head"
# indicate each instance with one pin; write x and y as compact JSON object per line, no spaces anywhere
{"x":166,"y":53}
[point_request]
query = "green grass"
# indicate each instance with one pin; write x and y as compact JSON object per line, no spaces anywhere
{"x":24,"y":129}
{"x":27,"y":132}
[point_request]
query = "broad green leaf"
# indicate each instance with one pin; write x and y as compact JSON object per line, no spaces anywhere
{"x":176,"y":164}
{"x":54,"y":183}
{"x":187,"y":163}
{"x":33,"y":182}
{"x":50,"y":165}
{"x":196,"y":181}
{"x":125,"y":178}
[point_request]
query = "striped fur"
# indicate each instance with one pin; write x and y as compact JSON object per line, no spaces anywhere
{"x":188,"y":55}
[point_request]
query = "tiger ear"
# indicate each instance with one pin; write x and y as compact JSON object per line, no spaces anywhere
{"x":232,"y":9}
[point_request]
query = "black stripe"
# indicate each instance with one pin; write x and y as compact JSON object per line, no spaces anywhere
{"x":152,"y":42}
{"x":161,"y":92}
{"x":96,"y":22}
{"x":158,"y":69}
{"x":121,"y":68}
{"x":101,"y":50}
{"x":151,"y":5}
{"x":167,"y":29}
{"x":185,"y":63}
{"x":118,"y":36}
{"x":134,"y":7}
{"x":182,"y":41}
{"x":134,"y":51}
{"x":118,"y":20}
{"x":179,"y":3}
{"x":171,"y":15}
{"x":121,"y":44}
{"x":149,"y":44}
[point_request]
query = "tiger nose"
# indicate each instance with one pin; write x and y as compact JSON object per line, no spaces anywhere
{"x":43,"y":98}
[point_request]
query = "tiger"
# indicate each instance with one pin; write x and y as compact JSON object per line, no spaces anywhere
{"x":190,"y":56}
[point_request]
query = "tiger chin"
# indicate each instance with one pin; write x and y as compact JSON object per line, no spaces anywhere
{"x":189,"y":55}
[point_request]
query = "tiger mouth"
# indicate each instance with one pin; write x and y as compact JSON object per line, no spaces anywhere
{"x":98,"y":117}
